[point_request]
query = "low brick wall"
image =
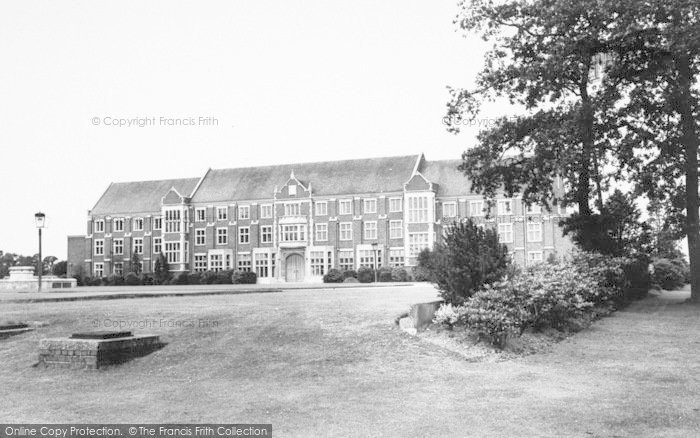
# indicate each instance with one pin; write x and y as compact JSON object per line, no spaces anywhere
{"x":94,"y":353}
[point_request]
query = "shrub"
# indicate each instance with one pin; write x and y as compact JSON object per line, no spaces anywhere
{"x":668,"y":274}
{"x":208,"y":277}
{"x":223,"y":277}
{"x":384,"y":274}
{"x":146,"y":279}
{"x":399,"y":274}
{"x":421,"y":273}
{"x":349,"y":273}
{"x":132,"y":279}
{"x":333,"y":276}
{"x":350,"y":280}
{"x":555,"y":295}
{"x":365,"y":275}
{"x":468,"y":258}
{"x":194,"y":278}
{"x":494,"y":313}
{"x":244,"y":277}
{"x":180,"y":279}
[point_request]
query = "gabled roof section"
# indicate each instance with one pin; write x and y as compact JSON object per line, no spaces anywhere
{"x":140,"y":196}
{"x":444,"y":173}
{"x":371,"y":175}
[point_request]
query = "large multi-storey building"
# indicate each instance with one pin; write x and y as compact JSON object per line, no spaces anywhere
{"x":295,"y":222}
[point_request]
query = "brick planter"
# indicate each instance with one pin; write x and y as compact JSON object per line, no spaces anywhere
{"x":94,"y":353}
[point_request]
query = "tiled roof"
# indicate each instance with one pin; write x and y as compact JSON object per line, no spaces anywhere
{"x":451,"y":182}
{"x":140,"y":196}
{"x":371,"y":175}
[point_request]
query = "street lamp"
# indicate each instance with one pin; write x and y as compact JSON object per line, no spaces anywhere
{"x":375,"y":245}
{"x":40,"y":219}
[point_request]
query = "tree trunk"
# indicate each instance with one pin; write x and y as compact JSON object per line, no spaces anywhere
{"x":587,"y":144}
{"x":690,"y":145}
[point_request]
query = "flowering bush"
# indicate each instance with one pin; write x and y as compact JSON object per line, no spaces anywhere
{"x":546,"y":295}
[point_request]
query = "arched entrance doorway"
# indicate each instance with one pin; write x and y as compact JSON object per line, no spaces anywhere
{"x":294,"y":268}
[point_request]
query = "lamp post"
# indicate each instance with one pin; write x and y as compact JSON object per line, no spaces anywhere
{"x":375,"y":245}
{"x":40,"y":219}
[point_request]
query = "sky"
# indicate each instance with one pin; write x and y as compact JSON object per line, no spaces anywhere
{"x":247,"y":83}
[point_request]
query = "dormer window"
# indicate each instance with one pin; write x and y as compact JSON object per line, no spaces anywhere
{"x":293,"y":190}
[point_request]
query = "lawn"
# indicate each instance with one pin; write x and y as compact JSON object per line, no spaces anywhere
{"x":331,"y":363}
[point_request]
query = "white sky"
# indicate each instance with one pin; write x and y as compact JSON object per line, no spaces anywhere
{"x":288,"y":81}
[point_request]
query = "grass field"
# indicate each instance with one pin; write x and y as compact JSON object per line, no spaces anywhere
{"x":331,"y":363}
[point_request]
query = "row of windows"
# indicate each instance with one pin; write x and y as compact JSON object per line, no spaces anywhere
{"x":265,"y":263}
{"x":417,"y":212}
{"x":297,"y":233}
{"x":345,"y":207}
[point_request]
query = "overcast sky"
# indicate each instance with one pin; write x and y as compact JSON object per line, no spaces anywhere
{"x":287,"y":81}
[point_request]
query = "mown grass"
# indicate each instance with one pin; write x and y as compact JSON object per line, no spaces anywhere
{"x":331,"y":363}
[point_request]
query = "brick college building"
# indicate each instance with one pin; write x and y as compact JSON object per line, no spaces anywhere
{"x":294,"y":222}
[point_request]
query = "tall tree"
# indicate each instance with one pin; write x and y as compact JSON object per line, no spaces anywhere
{"x":542,"y":59}
{"x":658,"y":47}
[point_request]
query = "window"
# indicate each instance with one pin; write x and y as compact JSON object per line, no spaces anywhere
{"x":172,"y":252}
{"x":99,"y":247}
{"x":138,"y":245}
{"x":216,"y":262}
{"x":157,"y":223}
{"x":262,"y":264}
{"x":118,"y":224}
{"x":222,"y":213}
{"x":395,"y":205}
{"x":534,"y":209}
{"x":371,"y":230}
{"x":222,"y":236}
{"x":119,"y":268}
{"x":244,"y":235}
{"x":449,"y":209}
{"x":292,"y":190}
{"x":292,"y":209}
{"x":266,"y":211}
{"x":293,"y":233}
{"x":99,"y":226}
{"x":418,"y":209}
{"x":367,"y":258}
{"x":244,"y":212}
{"x":370,"y":206}
{"x":505,"y":207}
{"x":505,"y":233}
{"x":416,"y":243}
{"x":200,"y":262}
{"x":157,"y":245}
{"x":138,"y":224}
{"x":396,"y":229}
{"x":118,"y":246}
{"x":346,"y":231}
{"x":200,"y":236}
{"x":244,"y":262}
{"x":345,"y":206}
{"x":534,"y":231}
{"x":266,"y":234}
{"x":320,"y":262}
{"x":321,"y":208}
{"x":172,"y":221}
{"x":99,"y":269}
{"x":476,"y":208}
{"x":396,"y":258}
{"x":321,"y":232}
{"x":534,"y":256}
{"x":200,"y":215}
{"x":346,"y":260}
